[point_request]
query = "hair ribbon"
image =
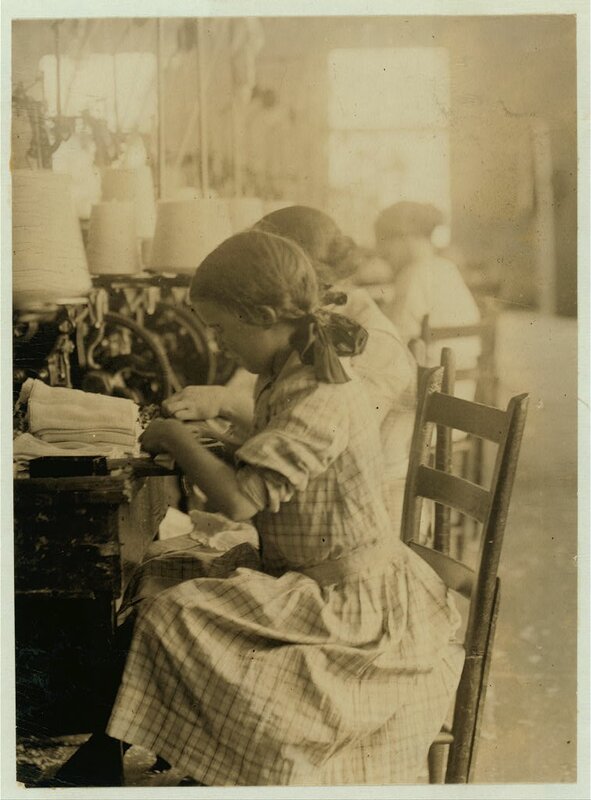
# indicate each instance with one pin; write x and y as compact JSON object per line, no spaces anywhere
{"x":322,"y":338}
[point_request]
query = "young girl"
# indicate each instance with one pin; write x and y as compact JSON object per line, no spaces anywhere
{"x":386,"y":367}
{"x":331,"y":661}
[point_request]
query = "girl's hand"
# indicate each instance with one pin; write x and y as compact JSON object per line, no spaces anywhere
{"x":196,"y":402}
{"x":159,"y":434}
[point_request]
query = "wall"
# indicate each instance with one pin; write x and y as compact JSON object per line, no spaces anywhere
{"x":507,"y":73}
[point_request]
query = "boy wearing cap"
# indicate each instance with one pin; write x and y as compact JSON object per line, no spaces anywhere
{"x":408,"y":236}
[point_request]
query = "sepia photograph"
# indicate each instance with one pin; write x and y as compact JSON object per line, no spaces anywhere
{"x":295,"y":302}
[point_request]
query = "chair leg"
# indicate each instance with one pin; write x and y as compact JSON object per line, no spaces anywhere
{"x":436,"y":762}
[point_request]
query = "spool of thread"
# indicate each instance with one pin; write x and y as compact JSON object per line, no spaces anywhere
{"x":187,"y":231}
{"x":49,"y":262}
{"x":135,"y":186}
{"x":245,"y":212}
{"x":112,"y":242}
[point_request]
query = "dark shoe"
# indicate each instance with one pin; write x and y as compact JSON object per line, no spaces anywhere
{"x":190,"y":782}
{"x":160,"y":765}
{"x":98,"y":762}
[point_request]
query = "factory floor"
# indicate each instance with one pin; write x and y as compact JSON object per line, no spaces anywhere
{"x":529,"y":733}
{"x":529,"y":730}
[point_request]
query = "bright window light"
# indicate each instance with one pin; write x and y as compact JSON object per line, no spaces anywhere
{"x":388,"y":119}
{"x":120,"y":89}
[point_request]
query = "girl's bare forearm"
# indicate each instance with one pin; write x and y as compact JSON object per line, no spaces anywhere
{"x":212,"y":475}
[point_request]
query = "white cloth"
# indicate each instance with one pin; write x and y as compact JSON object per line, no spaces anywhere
{"x":214,"y":430}
{"x":65,"y":416}
{"x":214,"y":531}
{"x":25,"y":447}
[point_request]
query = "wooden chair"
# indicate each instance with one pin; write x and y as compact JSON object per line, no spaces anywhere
{"x":484,"y":373}
{"x":468,"y":456}
{"x":480,"y":586}
{"x":442,"y":455}
{"x":438,"y":529}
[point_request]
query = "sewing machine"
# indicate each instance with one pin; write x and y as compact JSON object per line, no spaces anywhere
{"x":132,"y":337}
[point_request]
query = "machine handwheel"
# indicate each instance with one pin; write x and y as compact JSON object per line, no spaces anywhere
{"x":127,"y":360}
{"x":192,"y":352}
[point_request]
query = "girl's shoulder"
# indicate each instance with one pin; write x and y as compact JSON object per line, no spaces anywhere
{"x":298,"y":380}
{"x":296,"y":414}
{"x":297,"y":388}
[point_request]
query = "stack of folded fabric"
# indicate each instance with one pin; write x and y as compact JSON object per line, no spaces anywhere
{"x":76,"y":422}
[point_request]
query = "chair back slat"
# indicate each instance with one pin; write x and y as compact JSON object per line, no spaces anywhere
{"x":464,"y":415}
{"x":454,"y":574}
{"x":485,"y":371}
{"x":450,"y":331}
{"x":449,"y":490}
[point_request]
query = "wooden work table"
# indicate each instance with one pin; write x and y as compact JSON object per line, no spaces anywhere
{"x":77,"y":541}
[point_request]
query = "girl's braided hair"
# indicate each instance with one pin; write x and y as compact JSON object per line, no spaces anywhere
{"x":334,"y":256}
{"x":254,"y":269}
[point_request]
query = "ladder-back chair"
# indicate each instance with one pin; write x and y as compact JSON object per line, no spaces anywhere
{"x":481,"y":585}
{"x":442,"y":518}
{"x":484,"y":372}
{"x":478,"y":382}
{"x":438,"y":529}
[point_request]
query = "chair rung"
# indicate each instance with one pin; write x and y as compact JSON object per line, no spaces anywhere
{"x":444,"y":737}
{"x":455,"y":332}
{"x":450,"y":490}
{"x":463,"y":415}
{"x":454,"y":574}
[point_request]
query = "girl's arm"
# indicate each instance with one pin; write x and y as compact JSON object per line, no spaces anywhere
{"x":212,"y":475}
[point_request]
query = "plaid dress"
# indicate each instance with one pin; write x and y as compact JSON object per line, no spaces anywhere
{"x":330,"y":660}
{"x":389,"y":375}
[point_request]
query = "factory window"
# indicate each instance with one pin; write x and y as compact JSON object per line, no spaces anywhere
{"x":119,"y":89}
{"x":388,"y":122}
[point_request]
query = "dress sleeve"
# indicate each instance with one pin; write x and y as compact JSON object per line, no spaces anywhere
{"x":307,"y":430}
